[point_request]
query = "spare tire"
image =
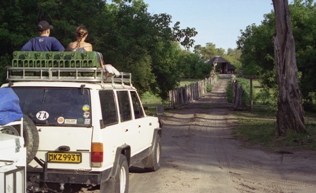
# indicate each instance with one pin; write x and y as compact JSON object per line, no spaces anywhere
{"x":30,"y":135}
{"x":31,"y":138}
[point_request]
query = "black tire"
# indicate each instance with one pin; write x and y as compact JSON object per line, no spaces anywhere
{"x":31,"y":138}
{"x":152,"y":162}
{"x":121,"y":176}
{"x":30,"y":135}
{"x":118,"y":183}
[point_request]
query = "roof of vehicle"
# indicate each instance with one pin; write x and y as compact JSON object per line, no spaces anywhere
{"x":64,"y":67}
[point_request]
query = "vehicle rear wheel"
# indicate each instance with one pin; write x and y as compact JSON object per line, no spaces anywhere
{"x":152,"y":162}
{"x":118,"y":183}
{"x":121,"y":177}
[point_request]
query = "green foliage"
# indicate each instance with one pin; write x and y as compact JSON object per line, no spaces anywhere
{"x":262,"y":96}
{"x":151,"y":101}
{"x":190,"y":65}
{"x":210,"y":51}
{"x":268,"y":98}
{"x":257,"y":47}
{"x":258,"y":50}
{"x":207,"y":106}
{"x":16,"y":24}
{"x":164,"y":67}
{"x":255,"y":130}
{"x":209,"y":87}
{"x":310,"y":102}
{"x":229,"y":92}
{"x":127,"y":35}
{"x":6,"y":59}
{"x":246,"y":87}
{"x":207,"y":52}
{"x":186,"y":82}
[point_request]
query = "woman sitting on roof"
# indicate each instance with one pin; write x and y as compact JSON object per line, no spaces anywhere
{"x":80,"y":45}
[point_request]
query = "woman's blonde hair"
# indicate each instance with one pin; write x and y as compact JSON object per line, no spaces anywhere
{"x":81,"y":31}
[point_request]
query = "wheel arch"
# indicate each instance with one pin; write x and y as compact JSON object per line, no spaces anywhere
{"x":124,"y":150}
{"x":157,"y":131}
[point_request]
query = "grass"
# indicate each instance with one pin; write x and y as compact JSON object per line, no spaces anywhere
{"x":256,"y":83}
{"x":188,"y":82}
{"x":150,"y":103}
{"x":259,"y":128}
{"x":207,"y":106}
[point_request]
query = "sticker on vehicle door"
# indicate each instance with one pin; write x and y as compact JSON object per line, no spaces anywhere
{"x":42,"y":115}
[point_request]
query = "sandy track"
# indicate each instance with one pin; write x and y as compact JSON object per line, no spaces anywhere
{"x":200,"y":155}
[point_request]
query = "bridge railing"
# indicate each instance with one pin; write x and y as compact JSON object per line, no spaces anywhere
{"x":189,"y":93}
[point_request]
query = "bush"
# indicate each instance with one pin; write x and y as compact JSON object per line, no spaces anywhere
{"x":208,"y":87}
{"x":309,"y":102}
{"x":267,"y":97}
{"x":229,"y":92}
{"x":4,"y":61}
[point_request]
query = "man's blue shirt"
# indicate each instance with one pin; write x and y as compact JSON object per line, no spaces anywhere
{"x":43,"y":43}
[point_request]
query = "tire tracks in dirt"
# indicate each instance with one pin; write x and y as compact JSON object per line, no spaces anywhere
{"x":199,"y":154}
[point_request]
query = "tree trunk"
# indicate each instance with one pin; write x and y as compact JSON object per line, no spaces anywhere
{"x":290,"y":114}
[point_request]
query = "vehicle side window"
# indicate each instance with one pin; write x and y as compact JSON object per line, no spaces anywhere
{"x":138,"y":110}
{"x":124,"y":105}
{"x":108,"y":107}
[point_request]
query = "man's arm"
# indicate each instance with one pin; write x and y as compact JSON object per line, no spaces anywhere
{"x":27,"y":46}
{"x":56,"y":45}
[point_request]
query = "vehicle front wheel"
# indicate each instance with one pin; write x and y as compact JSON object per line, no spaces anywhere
{"x":152,"y":162}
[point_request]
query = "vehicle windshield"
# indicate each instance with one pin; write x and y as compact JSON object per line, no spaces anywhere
{"x":56,"y":106}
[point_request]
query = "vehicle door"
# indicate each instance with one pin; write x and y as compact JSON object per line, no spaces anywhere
{"x":62,"y":116}
{"x":128,"y":124}
{"x":111,"y":131}
{"x":143,"y":123}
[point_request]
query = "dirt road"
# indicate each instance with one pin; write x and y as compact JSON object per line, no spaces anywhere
{"x":199,"y":155}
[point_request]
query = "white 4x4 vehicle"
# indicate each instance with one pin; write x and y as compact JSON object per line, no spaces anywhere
{"x":83,"y":126}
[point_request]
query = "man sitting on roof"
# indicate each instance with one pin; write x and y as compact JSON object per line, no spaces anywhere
{"x":43,"y":42}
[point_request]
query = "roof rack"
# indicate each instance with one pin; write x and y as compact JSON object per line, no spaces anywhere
{"x":62,"y":66}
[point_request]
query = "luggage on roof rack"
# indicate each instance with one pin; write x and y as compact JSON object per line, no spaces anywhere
{"x":62,"y":66}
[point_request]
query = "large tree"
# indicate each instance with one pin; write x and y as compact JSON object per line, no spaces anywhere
{"x":290,"y":114}
{"x":125,"y":33}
